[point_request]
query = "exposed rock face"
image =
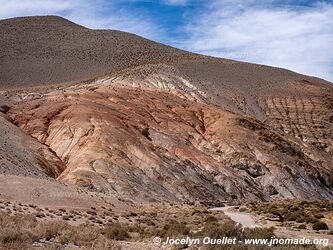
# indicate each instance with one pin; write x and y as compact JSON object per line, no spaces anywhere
{"x":152,"y":144}
{"x":22,"y":155}
{"x":170,"y":125}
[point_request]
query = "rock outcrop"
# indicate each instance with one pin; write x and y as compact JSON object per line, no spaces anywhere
{"x":159,"y":142}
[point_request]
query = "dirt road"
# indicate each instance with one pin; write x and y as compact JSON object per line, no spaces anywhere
{"x":245,"y":219}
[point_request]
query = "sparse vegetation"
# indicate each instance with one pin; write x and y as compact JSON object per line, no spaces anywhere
{"x":295,"y":211}
{"x":97,"y":228}
{"x":116,"y":231}
{"x":217,"y":230}
{"x":21,"y":231}
{"x":174,"y":228}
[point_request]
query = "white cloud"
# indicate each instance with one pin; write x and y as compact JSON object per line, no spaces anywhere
{"x":300,"y":39}
{"x":91,"y":14}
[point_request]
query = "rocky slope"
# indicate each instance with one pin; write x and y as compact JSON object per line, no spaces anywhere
{"x":61,"y":51}
{"x":22,"y":155}
{"x":165,"y":124}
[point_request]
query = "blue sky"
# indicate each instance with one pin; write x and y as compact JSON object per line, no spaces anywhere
{"x":297,"y":35}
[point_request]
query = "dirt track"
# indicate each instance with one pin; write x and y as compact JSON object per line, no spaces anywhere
{"x":245,"y":219}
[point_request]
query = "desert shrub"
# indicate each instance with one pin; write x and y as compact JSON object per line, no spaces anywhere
{"x":85,"y":234}
{"x":49,"y":229}
{"x":195,"y":211}
{"x":302,"y":226}
{"x":147,"y":221}
{"x":258,"y":233}
{"x":210,"y":218}
{"x":319,"y":216}
{"x":15,"y":235}
{"x":66,"y":217}
{"x":136,"y":228}
{"x":82,"y":235}
{"x":304,"y":203}
{"x":274,"y":211}
{"x":300,"y":219}
{"x":26,"y":221}
{"x":199,"y":211}
{"x":91,"y":212}
{"x":15,"y":231}
{"x":216,"y":230}
{"x":242,"y":209}
{"x":20,"y":231}
{"x":40,"y":215}
{"x":133,"y":214}
{"x":116,"y":231}
{"x":319,"y":225}
{"x":65,"y":236}
{"x":150,"y":232}
{"x":103,"y":243}
{"x":173,"y":228}
{"x":293,"y":216}
{"x":311,"y":219}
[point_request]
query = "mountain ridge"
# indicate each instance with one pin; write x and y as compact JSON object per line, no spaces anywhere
{"x":53,"y":41}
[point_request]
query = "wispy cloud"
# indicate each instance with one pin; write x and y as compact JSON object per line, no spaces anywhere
{"x":298,"y":38}
{"x":176,"y":2}
{"x":93,"y":14}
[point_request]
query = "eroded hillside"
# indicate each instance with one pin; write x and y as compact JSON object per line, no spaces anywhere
{"x":167,"y":141}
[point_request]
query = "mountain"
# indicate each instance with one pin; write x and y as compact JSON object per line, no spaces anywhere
{"x":123,"y":116}
{"x":44,"y":50}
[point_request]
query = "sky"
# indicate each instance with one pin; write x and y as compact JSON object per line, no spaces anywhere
{"x":293,"y":34}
